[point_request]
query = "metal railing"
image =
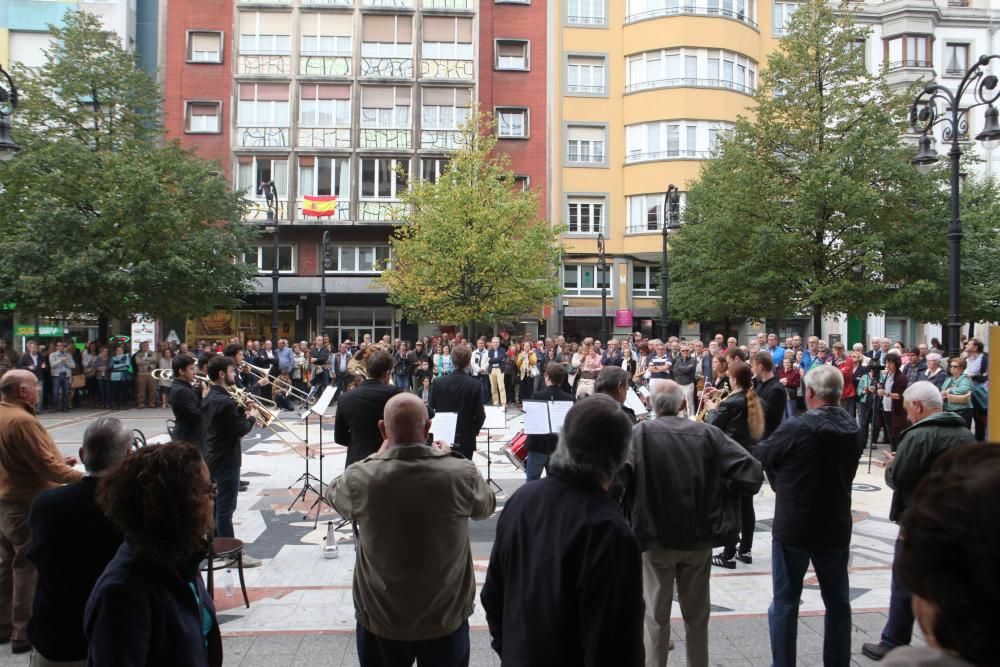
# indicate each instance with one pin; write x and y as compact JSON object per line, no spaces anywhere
{"x":586,"y":20}
{"x":689,"y":83}
{"x":691,"y":10}
{"x":585,"y":158}
{"x":669,"y":154}
{"x":592,"y":90}
{"x":448,"y":4}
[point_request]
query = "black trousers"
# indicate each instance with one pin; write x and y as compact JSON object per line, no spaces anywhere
{"x":748,"y":520}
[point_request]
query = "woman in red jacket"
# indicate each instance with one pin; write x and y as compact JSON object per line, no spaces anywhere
{"x":790,"y":379}
{"x":847,"y":364}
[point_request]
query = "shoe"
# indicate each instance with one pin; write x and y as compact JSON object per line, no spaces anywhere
{"x":5,"y":639}
{"x":244,"y":483}
{"x":720,"y":560}
{"x":250,"y":561}
{"x":876,"y":651}
{"x":20,"y":646}
{"x":744,"y":557}
{"x":671,"y":646}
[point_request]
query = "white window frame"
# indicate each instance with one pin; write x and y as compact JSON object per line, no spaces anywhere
{"x":586,"y":152}
{"x":263,"y":113}
{"x":964,"y":67}
{"x":341,"y":191}
{"x":647,"y":291}
{"x":376,"y":250}
{"x":281,"y":184}
{"x":526,"y":122}
{"x":440,"y":165}
{"x":577,"y":206}
{"x":582,"y":13}
{"x":579,"y":290}
{"x":189,"y":117}
{"x":396,"y":117}
{"x":638,"y":207}
{"x":192,"y":56}
{"x":257,"y":43}
{"x":781,"y":14}
{"x":395,"y":187}
{"x":595,"y":73}
{"x":435,"y":117}
{"x":282,"y":247}
{"x":505,"y":63}
{"x":339,"y":111}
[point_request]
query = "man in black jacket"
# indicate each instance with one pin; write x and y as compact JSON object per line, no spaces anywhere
{"x":769,"y":390}
{"x":225,"y":424}
{"x":359,"y":411}
{"x":682,"y":480}
{"x":185,"y":401}
{"x":810,"y":462}
{"x":584,"y":604}
{"x":72,"y":542}
{"x":540,"y":447}
{"x":461,"y":393}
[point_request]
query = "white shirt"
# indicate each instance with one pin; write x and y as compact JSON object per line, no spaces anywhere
{"x":887,"y":400}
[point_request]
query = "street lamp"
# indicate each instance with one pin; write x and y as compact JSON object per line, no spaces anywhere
{"x":327,"y":262}
{"x":603,"y":265}
{"x":8,"y":103}
{"x":671,"y":204}
{"x":270,"y":192}
{"x":954,"y":120}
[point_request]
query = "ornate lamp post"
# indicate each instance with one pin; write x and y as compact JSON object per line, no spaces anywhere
{"x":8,"y":103}
{"x":671,"y":204}
{"x":603,"y":266}
{"x":270,"y":192}
{"x":937,"y":105}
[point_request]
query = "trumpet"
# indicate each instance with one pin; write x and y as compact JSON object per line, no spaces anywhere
{"x":281,"y":385}
{"x":703,"y":409}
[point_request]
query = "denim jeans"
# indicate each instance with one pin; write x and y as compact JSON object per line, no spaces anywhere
{"x":449,"y":651}
{"x":790,"y":405}
{"x":104,"y":388}
{"x":60,"y":392}
{"x":485,"y":381}
{"x":403,"y":382}
{"x":534,"y":465}
{"x":227,"y":483}
{"x":788,"y":567}
{"x":898,"y":629}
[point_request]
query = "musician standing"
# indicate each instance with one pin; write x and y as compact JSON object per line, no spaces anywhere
{"x":359,"y":411}
{"x":268,"y":358}
{"x":185,"y":401}
{"x":225,"y":425}
{"x":462,"y":394}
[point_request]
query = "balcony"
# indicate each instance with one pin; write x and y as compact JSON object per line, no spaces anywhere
{"x":385,"y":137}
{"x":636,"y":157}
{"x":327,"y":3}
{"x":689,"y":83}
{"x":342,"y":214}
{"x":585,"y":90}
{"x":318,"y":65}
{"x":586,"y":20}
{"x":691,"y":10}
{"x":264,"y":64}
{"x":257,"y":211}
{"x":447,"y":69}
{"x":324,"y":137}
{"x":447,"y":4}
{"x":389,"y":4}
{"x":442,"y":140}
{"x":386,"y":68}
{"x":385,"y":212}
{"x":262,"y":137}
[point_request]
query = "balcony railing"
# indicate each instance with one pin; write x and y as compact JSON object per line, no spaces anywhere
{"x":342,"y":212}
{"x":586,"y":20}
{"x":262,"y":137}
{"x":387,"y":68}
{"x":380,"y":211}
{"x":328,"y":3}
{"x":256,"y":65}
{"x":257,"y":211}
{"x":385,"y":137}
{"x":444,"y":140}
{"x":902,"y":64}
{"x":446,"y":68}
{"x":689,"y":83}
{"x":447,"y":4}
{"x":324,"y":137}
{"x":669,"y":154}
{"x":585,"y":158}
{"x":691,"y":10}
{"x":318,"y":65}
{"x":399,"y":4}
{"x":588,"y":90}
{"x":646,"y":227}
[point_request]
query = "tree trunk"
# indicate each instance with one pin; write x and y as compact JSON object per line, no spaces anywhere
{"x":102,"y":329}
{"x":817,"y":321}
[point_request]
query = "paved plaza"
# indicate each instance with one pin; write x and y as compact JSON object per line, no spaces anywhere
{"x":301,"y":609}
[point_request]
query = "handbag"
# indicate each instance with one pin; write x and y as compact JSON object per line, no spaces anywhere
{"x":534,"y":372}
{"x":77,"y":382}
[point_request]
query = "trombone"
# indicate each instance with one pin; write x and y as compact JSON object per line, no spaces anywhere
{"x":281,"y":385}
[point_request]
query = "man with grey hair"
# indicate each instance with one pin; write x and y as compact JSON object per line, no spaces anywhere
{"x":613,"y":381}
{"x":810,"y":462}
{"x":933,"y":432}
{"x":683,"y":478}
{"x":72,"y":542}
{"x":586,"y":603}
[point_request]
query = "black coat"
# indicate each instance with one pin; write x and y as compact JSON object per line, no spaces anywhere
{"x":731,"y":417}
{"x":358,"y":415}
{"x":271,"y":362}
{"x":225,"y":424}
{"x":564,"y":585}
{"x":41,"y":369}
{"x":546,"y":444}
{"x":185,"y":401}
{"x":773,"y":399}
{"x":461,"y":393}
{"x":810,"y":462}
{"x":144,"y":613}
{"x":72,"y":541}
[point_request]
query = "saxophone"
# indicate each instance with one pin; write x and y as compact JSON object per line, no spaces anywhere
{"x":720,"y":395}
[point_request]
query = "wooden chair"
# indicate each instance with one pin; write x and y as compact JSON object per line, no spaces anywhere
{"x":229,"y":548}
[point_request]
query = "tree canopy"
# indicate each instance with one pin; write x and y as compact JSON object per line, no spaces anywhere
{"x":473,"y":247}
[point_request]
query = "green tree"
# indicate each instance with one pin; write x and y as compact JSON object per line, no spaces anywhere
{"x":472,"y":247}
{"x":812,"y":206}
{"x":100,"y":217}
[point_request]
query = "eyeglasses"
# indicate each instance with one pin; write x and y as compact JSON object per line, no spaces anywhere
{"x":955,"y":366}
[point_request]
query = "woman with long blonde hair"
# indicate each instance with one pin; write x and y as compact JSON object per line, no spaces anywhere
{"x":740,"y":416}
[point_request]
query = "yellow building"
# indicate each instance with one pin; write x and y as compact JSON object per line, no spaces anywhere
{"x":640,"y":91}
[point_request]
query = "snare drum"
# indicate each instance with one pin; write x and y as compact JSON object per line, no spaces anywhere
{"x":517,"y":450}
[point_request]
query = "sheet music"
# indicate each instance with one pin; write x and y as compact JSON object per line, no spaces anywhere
{"x":496,"y":418}
{"x":633,"y":401}
{"x":444,"y":425}
{"x":322,"y":403}
{"x":557,"y":414}
{"x":536,"y":417}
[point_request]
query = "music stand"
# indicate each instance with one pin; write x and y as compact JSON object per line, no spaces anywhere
{"x":489,"y":455}
{"x":307,"y":478}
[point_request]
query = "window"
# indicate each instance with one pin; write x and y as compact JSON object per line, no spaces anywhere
{"x":585,"y":280}
{"x":782,"y":14}
{"x":431,"y":169}
{"x":324,"y":105}
{"x":326,"y":34}
{"x":511,"y":54}
{"x":585,"y":144}
{"x":447,"y":37}
{"x":645,"y":212}
{"x":265,"y":258}
{"x":956,"y":59}
{"x":202,"y":117}
{"x":586,"y":75}
{"x":253,"y":171}
{"x":325,"y":176}
{"x":586,"y":12}
{"x":646,"y":281}
{"x":383,"y":178}
{"x":512,"y":123}
{"x":385,"y":107}
{"x":265,"y":32}
{"x":522,"y":183}
{"x":585,"y":215}
{"x":691,"y":67}
{"x":358,"y":259}
{"x":204,"y":47}
{"x":263,"y":105}
{"x":445,"y":108}
{"x":908,"y":51}
{"x":28,"y":48}
{"x":387,"y":36}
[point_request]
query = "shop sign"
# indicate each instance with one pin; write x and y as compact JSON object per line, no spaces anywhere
{"x":623,"y":318}
{"x":44,"y":330}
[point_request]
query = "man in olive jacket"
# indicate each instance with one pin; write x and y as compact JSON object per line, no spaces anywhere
{"x":933,"y":433}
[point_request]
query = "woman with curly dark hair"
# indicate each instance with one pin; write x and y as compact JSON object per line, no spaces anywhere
{"x":150,"y":607}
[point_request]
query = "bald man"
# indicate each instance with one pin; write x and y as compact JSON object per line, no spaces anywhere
{"x":30,"y":463}
{"x":414,"y":583}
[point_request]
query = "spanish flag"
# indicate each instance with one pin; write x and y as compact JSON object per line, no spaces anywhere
{"x":319,"y":207}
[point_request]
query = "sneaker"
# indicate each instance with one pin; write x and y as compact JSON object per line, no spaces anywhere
{"x":720,"y":560}
{"x":876,"y":651}
{"x":744,"y":557}
{"x":250,"y":561}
